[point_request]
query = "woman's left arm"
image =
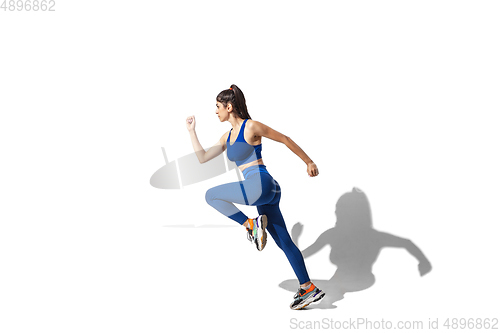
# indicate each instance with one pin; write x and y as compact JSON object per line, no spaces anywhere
{"x":260,"y":129}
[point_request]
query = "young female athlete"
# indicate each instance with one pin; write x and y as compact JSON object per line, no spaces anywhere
{"x":243,"y":144}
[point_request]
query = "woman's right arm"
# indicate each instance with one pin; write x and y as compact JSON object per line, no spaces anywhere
{"x":204,"y":156}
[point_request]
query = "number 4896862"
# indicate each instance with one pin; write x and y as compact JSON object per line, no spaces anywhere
{"x":28,"y":5}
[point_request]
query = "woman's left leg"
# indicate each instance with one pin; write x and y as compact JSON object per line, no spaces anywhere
{"x":277,"y":229}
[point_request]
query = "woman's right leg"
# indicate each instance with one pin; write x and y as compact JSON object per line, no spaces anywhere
{"x":221,"y":197}
{"x":248,"y":192}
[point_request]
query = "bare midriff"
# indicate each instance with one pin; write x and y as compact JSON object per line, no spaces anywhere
{"x":244,"y":166}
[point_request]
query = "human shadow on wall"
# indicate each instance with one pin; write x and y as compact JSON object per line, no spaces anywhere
{"x":355,"y":247}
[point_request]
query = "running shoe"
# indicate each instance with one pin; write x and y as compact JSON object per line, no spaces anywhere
{"x":305,"y":297}
{"x":258,"y":233}
{"x":250,"y":235}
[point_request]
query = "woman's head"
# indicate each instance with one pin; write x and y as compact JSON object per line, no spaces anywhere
{"x":233,"y":100}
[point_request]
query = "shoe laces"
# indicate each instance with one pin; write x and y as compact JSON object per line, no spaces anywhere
{"x":250,"y":235}
{"x":299,"y":293}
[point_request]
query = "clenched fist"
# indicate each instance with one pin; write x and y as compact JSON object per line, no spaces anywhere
{"x":190,"y":123}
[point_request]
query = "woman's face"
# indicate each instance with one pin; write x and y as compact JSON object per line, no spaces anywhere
{"x":223,"y":112}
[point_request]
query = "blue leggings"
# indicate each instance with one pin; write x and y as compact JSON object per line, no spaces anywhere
{"x":261,"y":190}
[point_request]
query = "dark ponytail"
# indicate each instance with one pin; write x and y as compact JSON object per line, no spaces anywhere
{"x":234,"y":96}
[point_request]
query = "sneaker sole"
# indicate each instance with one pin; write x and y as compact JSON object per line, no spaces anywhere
{"x":310,"y":299}
{"x":261,"y":233}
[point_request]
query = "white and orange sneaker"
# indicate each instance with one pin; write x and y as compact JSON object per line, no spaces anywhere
{"x":306,"y":296}
{"x":257,"y":231}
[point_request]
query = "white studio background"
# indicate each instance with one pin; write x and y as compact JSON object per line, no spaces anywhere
{"x":397,"y":98}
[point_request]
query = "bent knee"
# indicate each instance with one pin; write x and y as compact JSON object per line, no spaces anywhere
{"x":209,"y":196}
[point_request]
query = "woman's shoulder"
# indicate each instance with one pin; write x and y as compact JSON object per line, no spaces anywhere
{"x":255,"y":126}
{"x":224,"y":138}
{"x":253,"y":123}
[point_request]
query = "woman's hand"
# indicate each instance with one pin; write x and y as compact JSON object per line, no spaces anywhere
{"x":312,"y":169}
{"x":190,"y":123}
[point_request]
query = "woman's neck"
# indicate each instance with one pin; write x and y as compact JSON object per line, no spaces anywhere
{"x":236,"y":122}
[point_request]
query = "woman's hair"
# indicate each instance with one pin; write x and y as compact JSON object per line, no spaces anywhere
{"x":236,"y":98}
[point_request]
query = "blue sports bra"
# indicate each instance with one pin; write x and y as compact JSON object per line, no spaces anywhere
{"x":240,"y":151}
